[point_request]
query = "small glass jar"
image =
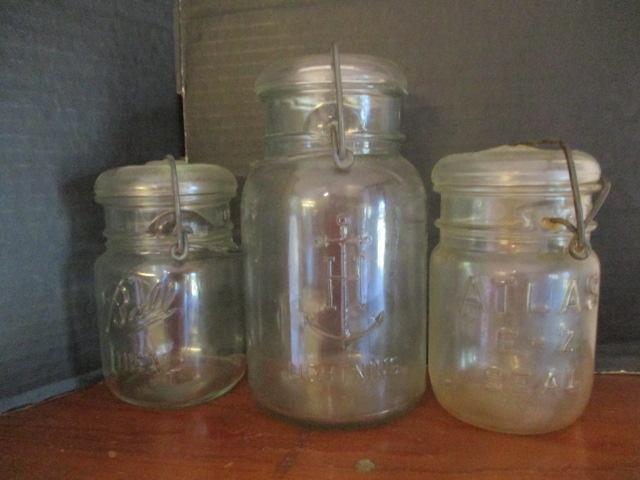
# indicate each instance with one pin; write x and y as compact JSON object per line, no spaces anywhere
{"x":171,"y":330}
{"x":335,"y":258}
{"x":512,"y":325}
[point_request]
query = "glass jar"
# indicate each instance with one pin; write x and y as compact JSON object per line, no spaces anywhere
{"x":335,"y":259}
{"x":171,"y":330}
{"x":512,"y":325}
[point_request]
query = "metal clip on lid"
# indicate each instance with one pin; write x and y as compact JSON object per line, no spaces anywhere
{"x":579,"y":247}
{"x":179,"y":250}
{"x":343,"y":157}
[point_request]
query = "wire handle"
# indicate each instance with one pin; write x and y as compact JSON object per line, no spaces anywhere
{"x":579,"y":247}
{"x":180,"y":249}
{"x":342,"y":156}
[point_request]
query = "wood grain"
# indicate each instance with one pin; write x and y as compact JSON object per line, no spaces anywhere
{"x":91,"y":435}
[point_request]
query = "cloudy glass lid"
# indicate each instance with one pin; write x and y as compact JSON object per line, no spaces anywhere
{"x":359,"y":72}
{"x":513,"y":166}
{"x":153,"y":179}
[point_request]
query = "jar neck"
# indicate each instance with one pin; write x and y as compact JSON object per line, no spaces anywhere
{"x":301,"y":145}
{"x":507,"y":243}
{"x":510,"y":222}
{"x":150,"y":229}
{"x":300,"y":121}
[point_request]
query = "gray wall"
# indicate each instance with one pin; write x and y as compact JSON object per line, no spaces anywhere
{"x":84,"y":86}
{"x":481,"y":74}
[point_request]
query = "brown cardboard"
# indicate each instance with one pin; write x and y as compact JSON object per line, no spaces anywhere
{"x":481,"y":74}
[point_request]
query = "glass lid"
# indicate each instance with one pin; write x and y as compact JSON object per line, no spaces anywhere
{"x":359,"y":72}
{"x":513,"y":166}
{"x":153,"y":179}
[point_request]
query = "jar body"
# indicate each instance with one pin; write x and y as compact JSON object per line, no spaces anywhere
{"x":513,"y":316}
{"x":171,"y":333}
{"x":335,"y":285}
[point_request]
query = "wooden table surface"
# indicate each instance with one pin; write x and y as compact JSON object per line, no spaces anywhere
{"x":91,"y":435}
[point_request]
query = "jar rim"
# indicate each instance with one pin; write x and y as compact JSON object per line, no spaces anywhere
{"x":517,"y":190}
{"x":362,"y":73}
{"x":511,"y":166}
{"x":152,"y":182}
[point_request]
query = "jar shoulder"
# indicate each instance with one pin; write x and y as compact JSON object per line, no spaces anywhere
{"x":123,"y":262}
{"x":409,"y":174}
{"x":446,"y":256}
{"x":307,"y":175}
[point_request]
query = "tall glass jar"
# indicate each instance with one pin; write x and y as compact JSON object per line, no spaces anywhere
{"x":512,"y":324}
{"x":335,"y":259}
{"x":171,"y":330}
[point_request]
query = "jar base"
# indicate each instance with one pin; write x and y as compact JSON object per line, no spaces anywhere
{"x":479,"y":422}
{"x":368,"y":420}
{"x":337,"y":393}
{"x":159,"y":392}
{"x":485,"y":426}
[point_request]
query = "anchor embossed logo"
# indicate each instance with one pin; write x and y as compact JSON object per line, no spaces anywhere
{"x":344,"y":317}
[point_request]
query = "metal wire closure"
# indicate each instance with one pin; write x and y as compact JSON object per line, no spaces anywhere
{"x":342,"y":156}
{"x":579,"y":247}
{"x":179,"y":250}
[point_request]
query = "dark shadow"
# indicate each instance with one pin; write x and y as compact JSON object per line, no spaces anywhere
{"x":420,"y":124}
{"x":139,"y":139}
{"x":87,"y":223}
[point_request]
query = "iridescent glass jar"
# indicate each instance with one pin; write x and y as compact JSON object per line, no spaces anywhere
{"x":335,"y":258}
{"x":171,"y":327}
{"x":513,"y":300}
